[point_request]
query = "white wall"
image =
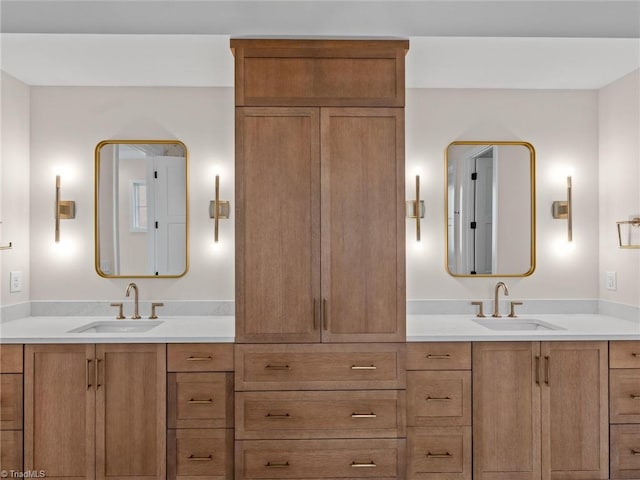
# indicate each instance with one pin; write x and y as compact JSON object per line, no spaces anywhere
{"x":66,"y":125}
{"x":619,"y":115}
{"x":563,"y":128}
{"x":14,"y":184}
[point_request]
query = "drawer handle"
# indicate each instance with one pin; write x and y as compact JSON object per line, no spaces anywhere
{"x":200,"y":359}
{"x":363,"y":465}
{"x":637,"y":355}
{"x":196,"y":401}
{"x":196,"y":458}
{"x":439,"y":455}
{"x":277,"y":465}
{"x":635,"y":397}
{"x":363,"y":415}
{"x":438,"y":399}
{"x":278,"y":415}
{"x":445,"y":356}
{"x":635,"y":453}
{"x":363,"y":367}
{"x":277,"y":367}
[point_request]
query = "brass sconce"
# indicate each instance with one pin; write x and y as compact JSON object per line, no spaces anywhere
{"x":562,"y":210}
{"x":415,"y":208}
{"x":218,"y":210}
{"x":630,"y":224}
{"x":65,"y":209}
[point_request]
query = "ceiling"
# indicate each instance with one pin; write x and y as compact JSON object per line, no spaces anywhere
{"x":453,"y":44}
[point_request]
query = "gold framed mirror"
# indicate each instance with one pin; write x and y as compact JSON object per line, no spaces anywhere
{"x":141,"y":208}
{"x":490,"y":209}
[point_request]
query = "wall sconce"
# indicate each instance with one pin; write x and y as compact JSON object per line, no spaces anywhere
{"x":631,"y":241}
{"x":562,"y":210}
{"x":218,"y":210}
{"x":415,"y":208}
{"x":65,"y":209}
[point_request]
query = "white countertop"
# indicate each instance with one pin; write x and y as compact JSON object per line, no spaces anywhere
{"x":221,"y":329}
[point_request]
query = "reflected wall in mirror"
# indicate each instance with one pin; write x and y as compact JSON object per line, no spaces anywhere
{"x":141,"y":214}
{"x":490,"y":209}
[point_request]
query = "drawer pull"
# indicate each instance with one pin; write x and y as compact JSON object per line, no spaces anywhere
{"x":200,"y":359}
{"x":636,"y":355}
{"x":445,"y":356}
{"x":363,"y":465}
{"x":277,"y":465}
{"x":438,"y":399}
{"x":196,"y":401}
{"x":277,"y":367}
{"x":195,"y":458}
{"x":363,"y":367}
{"x":439,"y":455}
{"x":635,"y":453}
{"x":278,"y":415}
{"x":363,"y":415}
{"x":635,"y":397}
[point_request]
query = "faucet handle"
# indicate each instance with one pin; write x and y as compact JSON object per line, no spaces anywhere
{"x":119,"y":305}
{"x":153,"y":310}
{"x":480,"y":313}
{"x":512,"y":313}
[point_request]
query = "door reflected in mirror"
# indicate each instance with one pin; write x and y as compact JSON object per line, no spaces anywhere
{"x":141,"y":215}
{"x":490,"y":207}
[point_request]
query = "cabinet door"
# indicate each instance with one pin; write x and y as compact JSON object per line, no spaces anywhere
{"x":506,"y":411}
{"x":130,"y":411}
{"x":575,"y":410}
{"x":277,"y":225}
{"x":59,"y":413}
{"x":363,"y":224}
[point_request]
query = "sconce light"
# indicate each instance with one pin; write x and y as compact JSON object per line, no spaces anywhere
{"x":65,"y":209}
{"x":9,"y":246}
{"x":562,"y":210}
{"x":415,"y":208}
{"x":218,"y":209}
{"x":631,"y":240}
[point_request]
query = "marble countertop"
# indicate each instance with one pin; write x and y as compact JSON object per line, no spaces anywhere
{"x":220,"y":329}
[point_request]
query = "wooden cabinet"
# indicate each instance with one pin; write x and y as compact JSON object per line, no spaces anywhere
{"x":11,"y":409}
{"x":200,"y":411}
{"x":319,"y":195}
{"x":439,"y":411}
{"x":624,"y":409}
{"x":95,"y":411}
{"x":527,"y":424}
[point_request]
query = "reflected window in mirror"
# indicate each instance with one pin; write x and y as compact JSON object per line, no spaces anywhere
{"x":490,"y":209}
{"x":141,"y":214}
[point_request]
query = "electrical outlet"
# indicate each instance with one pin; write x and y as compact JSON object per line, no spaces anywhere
{"x":612,"y":281}
{"x":15,"y":282}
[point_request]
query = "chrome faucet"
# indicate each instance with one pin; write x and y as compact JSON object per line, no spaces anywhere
{"x":136,"y":315}
{"x":496,"y":303}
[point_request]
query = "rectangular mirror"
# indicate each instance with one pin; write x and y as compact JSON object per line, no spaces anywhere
{"x":490,"y":209}
{"x":141,"y":214}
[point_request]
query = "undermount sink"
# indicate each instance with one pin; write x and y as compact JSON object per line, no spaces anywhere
{"x":525,"y":324}
{"x":116,"y":326}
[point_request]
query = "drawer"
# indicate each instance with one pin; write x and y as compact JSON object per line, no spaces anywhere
{"x":624,"y":396}
{"x":343,"y":414}
{"x":320,"y":367}
{"x":11,"y":359}
{"x":200,"y":357}
{"x":439,"y":398}
{"x":11,"y":450}
{"x":200,"y":400}
{"x":625,"y":451}
{"x":11,"y":401}
{"x":298,"y":459}
{"x":439,"y":356}
{"x":439,"y":453}
{"x":624,"y":354}
{"x":194,"y":453}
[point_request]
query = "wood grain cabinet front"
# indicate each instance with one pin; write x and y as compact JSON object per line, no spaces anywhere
{"x":625,"y":452}
{"x":200,"y":400}
{"x":439,"y":398}
{"x":439,"y":356}
{"x":374,"y":459}
{"x":439,"y":453}
{"x":624,"y":354}
{"x":200,"y":357}
{"x":11,"y":407}
{"x":624,"y":397}
{"x":195,"y":454}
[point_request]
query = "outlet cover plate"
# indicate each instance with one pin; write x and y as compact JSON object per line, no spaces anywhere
{"x":612,"y":281}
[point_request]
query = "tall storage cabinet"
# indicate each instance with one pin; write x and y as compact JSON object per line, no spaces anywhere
{"x":320,"y":260}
